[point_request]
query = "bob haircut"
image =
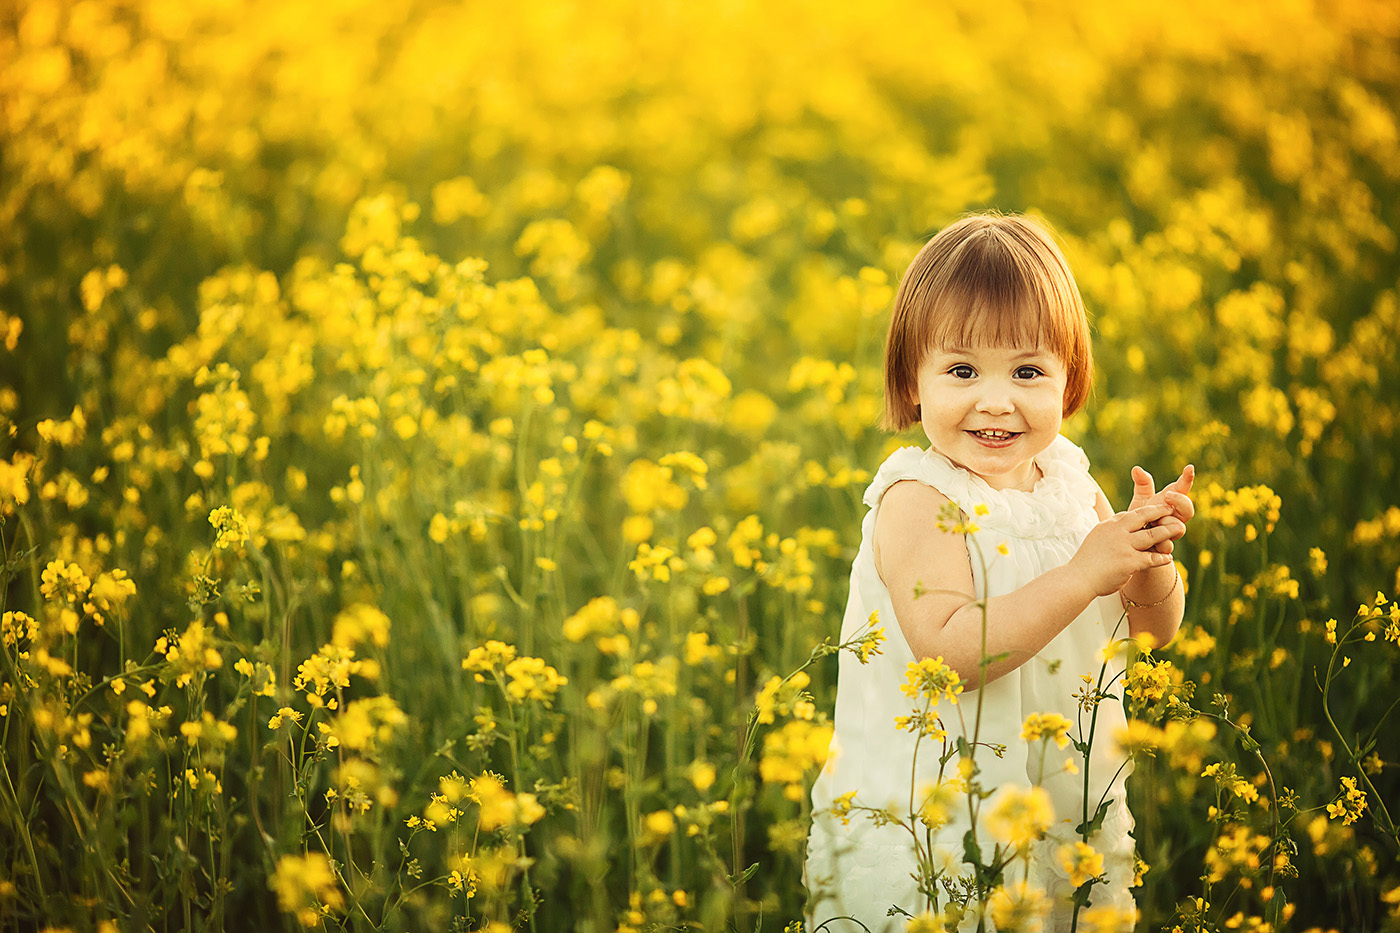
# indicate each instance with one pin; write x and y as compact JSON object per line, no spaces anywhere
{"x":989,"y":279}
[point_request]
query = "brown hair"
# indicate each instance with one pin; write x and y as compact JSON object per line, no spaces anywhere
{"x":988,"y":279}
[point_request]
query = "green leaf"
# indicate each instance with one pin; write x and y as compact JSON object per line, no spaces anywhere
{"x":1086,"y":830}
{"x":743,"y":876}
{"x":972,"y":852}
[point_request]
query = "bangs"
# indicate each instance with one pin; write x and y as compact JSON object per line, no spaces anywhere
{"x":980,"y":321}
{"x":991,"y":299}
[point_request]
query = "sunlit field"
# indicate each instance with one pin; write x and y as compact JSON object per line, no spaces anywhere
{"x":432,"y":438}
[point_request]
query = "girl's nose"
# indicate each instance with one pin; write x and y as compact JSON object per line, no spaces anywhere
{"x":995,"y":400}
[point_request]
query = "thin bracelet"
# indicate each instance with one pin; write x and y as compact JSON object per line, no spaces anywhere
{"x":1176,"y":578}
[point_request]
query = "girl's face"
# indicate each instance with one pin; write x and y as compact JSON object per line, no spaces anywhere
{"x":991,"y":410}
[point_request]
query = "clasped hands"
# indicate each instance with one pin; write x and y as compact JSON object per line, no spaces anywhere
{"x":1173,"y":495}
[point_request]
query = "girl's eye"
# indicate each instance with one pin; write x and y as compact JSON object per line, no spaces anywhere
{"x":962,"y":371}
{"x":1028,"y":372}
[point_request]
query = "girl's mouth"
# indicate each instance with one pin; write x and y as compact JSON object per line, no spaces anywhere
{"x":995,"y":436}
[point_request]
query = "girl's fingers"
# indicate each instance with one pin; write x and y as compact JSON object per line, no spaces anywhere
{"x":1183,"y":483}
{"x":1145,"y":539}
{"x":1147,"y":514}
{"x":1149,"y":558}
{"x":1181,"y":504}
{"x":1175,"y":526}
{"x":1143,"y":487}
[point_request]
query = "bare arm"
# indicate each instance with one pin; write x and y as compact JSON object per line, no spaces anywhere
{"x":913,"y":556}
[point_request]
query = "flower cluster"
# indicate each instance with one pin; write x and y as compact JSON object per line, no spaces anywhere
{"x":932,"y":679}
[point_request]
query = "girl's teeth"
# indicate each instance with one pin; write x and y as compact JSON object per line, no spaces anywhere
{"x":994,"y":435}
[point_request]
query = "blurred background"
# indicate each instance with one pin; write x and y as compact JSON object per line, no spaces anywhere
{"x":560,"y":325}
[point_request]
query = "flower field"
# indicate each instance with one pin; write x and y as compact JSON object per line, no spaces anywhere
{"x":432,"y":438}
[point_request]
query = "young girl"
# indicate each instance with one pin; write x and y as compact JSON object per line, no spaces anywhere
{"x":988,"y":350}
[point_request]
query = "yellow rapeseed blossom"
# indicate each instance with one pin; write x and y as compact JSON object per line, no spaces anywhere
{"x":932,"y":679}
{"x":109,"y":592}
{"x":359,"y":623}
{"x":66,"y":433}
{"x":230,"y":527}
{"x":306,"y":887}
{"x":1051,"y":726}
{"x":1080,"y":862}
{"x":532,"y":679}
{"x":1227,"y":779}
{"x":284,"y":714}
{"x":784,"y":697}
{"x":14,"y":481}
{"x":792,"y":751}
{"x":366,"y":723}
{"x":1149,"y":681}
{"x":702,"y":774}
{"x":1017,"y":907}
{"x":330,"y":668}
{"x":488,"y":657}
{"x":1350,"y":805}
{"x":190,"y":653}
{"x":499,"y":807}
{"x":1018,"y":816}
{"x":64,"y":582}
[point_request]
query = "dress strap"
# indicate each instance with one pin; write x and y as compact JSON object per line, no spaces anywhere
{"x":917,"y":464}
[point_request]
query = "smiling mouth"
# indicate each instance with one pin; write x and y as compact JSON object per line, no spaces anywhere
{"x":993,"y":434}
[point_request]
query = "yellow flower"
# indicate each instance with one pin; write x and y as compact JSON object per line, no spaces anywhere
{"x":230,"y":527}
{"x":933,"y":679}
{"x":359,"y":623}
{"x":842,"y":805}
{"x":1080,"y":862}
{"x":64,"y":581}
{"x":1017,"y":907}
{"x":657,"y":826}
{"x":532,"y":679}
{"x":1350,"y":805}
{"x":1050,"y":726}
{"x":702,"y":775}
{"x":285,"y":713}
{"x":1149,"y":681}
{"x":1107,"y":919}
{"x":304,"y":884}
{"x":365,"y":723}
{"x":790,"y":752}
{"x":489,"y":656}
{"x":502,"y":808}
{"x":925,"y":723}
{"x":928,"y":923}
{"x":1018,"y":816}
{"x":779,"y":696}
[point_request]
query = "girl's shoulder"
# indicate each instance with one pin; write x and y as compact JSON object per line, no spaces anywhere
{"x":927,"y":467}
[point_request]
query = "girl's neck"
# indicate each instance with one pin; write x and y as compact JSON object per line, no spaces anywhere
{"x":1027,"y":484}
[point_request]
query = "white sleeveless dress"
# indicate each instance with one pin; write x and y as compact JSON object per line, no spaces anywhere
{"x":859,"y":870}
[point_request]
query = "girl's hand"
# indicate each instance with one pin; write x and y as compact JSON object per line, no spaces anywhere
{"x":1173,"y":495}
{"x":1120,"y":546}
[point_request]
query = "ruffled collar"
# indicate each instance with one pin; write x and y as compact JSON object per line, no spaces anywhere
{"x":1060,"y":504}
